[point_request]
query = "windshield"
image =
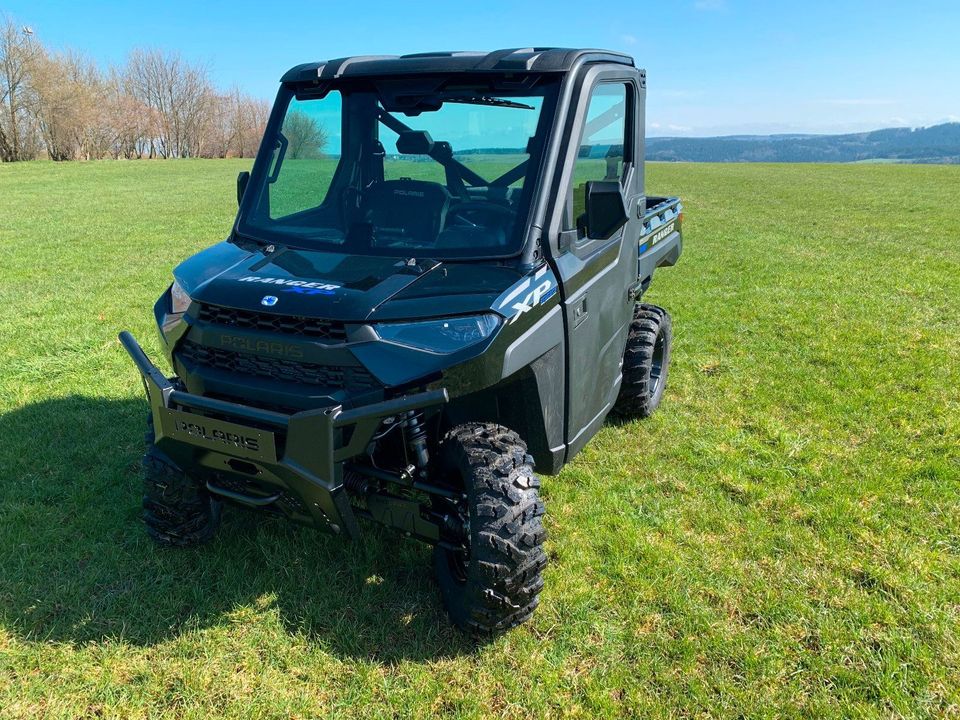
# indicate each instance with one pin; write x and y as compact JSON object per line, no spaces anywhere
{"x":387,"y":169}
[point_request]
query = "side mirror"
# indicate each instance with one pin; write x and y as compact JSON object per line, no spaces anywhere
{"x":242,"y":179}
{"x":606,"y":209}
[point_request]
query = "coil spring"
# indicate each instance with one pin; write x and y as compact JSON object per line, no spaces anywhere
{"x":355,"y":483}
{"x":417,"y":438}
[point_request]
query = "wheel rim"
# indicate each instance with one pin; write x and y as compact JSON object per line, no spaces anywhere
{"x":459,"y":564}
{"x":458,"y":561}
{"x":656,"y":362}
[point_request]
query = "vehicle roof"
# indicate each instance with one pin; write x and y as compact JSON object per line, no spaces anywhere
{"x":535,"y":59}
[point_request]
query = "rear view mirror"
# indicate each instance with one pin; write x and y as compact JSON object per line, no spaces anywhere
{"x":242,"y":179}
{"x":606,"y":209}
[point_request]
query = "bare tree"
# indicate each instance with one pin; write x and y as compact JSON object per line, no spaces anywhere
{"x":305,"y":136}
{"x":18,"y":54}
{"x":133,"y":124}
{"x":179,"y":93}
{"x":95,"y":133}
{"x":234,"y":125}
{"x":249,"y":116}
{"x":217,"y":135}
{"x":66,"y":97}
{"x":158,"y":105}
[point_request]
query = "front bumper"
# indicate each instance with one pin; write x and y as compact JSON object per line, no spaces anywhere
{"x":300,"y":456}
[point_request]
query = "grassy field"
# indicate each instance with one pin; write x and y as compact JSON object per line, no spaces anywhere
{"x":781,"y":540}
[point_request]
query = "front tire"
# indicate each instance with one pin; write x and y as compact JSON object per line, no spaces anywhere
{"x":495,"y":584}
{"x":178,"y":510}
{"x":646,"y":360}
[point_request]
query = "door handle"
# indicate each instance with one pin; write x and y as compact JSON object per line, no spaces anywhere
{"x":580,"y":311}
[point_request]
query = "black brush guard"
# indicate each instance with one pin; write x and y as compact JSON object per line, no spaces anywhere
{"x":302,"y":453}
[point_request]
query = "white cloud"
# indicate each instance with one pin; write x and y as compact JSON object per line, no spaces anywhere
{"x":628,"y":39}
{"x":658,"y":128}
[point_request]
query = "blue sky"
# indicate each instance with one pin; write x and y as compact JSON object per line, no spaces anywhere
{"x":714,"y":66}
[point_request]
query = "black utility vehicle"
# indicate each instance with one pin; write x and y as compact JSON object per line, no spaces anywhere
{"x":433,"y":282}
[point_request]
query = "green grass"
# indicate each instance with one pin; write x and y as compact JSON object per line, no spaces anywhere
{"x":302,"y":183}
{"x":782,"y":539}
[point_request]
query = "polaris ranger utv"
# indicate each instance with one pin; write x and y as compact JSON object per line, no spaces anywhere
{"x":432,"y":284}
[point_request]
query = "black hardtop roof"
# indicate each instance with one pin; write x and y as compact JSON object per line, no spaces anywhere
{"x":546,"y":60}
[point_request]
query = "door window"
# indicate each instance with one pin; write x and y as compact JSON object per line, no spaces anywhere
{"x":604,"y":148}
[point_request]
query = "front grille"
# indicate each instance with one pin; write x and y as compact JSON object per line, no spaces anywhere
{"x":286,"y":324}
{"x":353,"y":379}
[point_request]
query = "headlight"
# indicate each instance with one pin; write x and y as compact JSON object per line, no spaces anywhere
{"x":179,"y":300}
{"x":441,"y":336}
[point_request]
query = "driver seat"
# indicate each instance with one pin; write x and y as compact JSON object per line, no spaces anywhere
{"x":406,"y":210}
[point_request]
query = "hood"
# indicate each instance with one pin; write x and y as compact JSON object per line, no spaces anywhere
{"x":336,"y":286}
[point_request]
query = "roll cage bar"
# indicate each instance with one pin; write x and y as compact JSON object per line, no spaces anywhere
{"x":442,"y":153}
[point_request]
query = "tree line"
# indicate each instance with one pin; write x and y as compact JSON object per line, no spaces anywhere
{"x":61,"y":105}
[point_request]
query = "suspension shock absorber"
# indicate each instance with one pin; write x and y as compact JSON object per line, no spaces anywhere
{"x":417,"y":438}
{"x":355,"y":483}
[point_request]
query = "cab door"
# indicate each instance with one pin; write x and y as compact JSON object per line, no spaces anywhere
{"x":595,"y":272}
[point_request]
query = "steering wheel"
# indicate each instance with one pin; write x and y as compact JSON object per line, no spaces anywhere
{"x":466,"y":207}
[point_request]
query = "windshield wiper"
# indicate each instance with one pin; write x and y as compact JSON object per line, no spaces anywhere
{"x":484,"y":100}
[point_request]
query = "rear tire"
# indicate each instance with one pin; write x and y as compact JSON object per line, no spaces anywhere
{"x":178,"y":510}
{"x":646,"y":361}
{"x":495,"y":585}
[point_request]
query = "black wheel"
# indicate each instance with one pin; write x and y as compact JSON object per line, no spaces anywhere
{"x":494,"y":583}
{"x":646,"y":360}
{"x":177,"y":508}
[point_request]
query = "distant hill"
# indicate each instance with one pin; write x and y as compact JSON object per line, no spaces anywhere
{"x":937,"y":144}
